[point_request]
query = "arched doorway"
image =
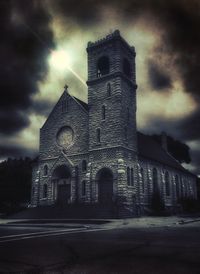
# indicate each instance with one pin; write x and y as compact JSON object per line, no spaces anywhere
{"x":61,"y":179}
{"x":105,"y":186}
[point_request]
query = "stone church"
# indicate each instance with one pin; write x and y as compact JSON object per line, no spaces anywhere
{"x":92,"y":155}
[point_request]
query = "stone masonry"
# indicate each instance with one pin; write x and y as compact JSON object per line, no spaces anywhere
{"x":89,"y":152}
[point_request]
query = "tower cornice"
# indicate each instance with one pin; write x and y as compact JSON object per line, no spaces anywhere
{"x":111,"y":76}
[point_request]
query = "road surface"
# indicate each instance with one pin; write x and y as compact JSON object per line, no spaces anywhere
{"x":100,"y":248}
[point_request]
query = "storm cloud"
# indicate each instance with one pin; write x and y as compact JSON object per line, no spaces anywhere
{"x":28,"y":35}
{"x":178,"y":21}
{"x":22,"y":58}
{"x":16,"y":151}
{"x":159,"y":79}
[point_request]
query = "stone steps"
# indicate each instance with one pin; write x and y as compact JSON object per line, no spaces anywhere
{"x":79,"y":211}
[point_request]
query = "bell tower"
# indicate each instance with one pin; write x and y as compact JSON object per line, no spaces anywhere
{"x":112,"y":93}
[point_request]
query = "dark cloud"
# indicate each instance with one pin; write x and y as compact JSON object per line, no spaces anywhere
{"x":42,"y":107}
{"x":83,"y":12}
{"x":159,"y":80}
{"x":185,"y":129}
{"x":16,"y":151}
{"x":25,"y":42}
{"x":12,"y":120}
{"x":179,"y":150}
{"x":190,"y":126}
{"x":179,"y":21}
{"x":196,"y":161}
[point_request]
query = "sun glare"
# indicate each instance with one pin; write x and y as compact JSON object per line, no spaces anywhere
{"x":59,"y":59}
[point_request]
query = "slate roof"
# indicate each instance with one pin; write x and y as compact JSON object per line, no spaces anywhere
{"x":149,"y":148}
{"x":85,"y":105}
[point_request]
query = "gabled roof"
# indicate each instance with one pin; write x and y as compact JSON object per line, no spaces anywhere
{"x":64,"y":95}
{"x":84,"y":105}
{"x":148,"y":148}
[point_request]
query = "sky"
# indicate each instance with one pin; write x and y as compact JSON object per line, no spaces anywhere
{"x":43,"y":47}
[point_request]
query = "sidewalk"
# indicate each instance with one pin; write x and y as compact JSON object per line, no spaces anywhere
{"x":115,"y":223}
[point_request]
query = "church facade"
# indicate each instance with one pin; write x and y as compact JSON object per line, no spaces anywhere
{"x":92,"y":153}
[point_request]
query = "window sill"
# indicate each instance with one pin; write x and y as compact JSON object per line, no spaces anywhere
{"x":130,"y":186}
{"x":98,"y":144}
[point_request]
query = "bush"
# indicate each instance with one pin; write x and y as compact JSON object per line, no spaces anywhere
{"x":157,"y":204}
{"x":189,"y":204}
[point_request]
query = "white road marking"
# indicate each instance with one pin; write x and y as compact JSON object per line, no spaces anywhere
{"x":36,"y":233}
{"x":53,"y":234}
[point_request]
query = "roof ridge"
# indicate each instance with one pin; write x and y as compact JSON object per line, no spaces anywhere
{"x":155,"y":152}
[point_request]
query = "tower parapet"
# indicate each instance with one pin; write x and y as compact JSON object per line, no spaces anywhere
{"x":112,"y":36}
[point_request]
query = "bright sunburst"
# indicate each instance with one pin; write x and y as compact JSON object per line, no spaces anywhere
{"x":59,"y":59}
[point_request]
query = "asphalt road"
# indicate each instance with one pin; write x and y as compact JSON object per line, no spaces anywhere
{"x":93,"y":249}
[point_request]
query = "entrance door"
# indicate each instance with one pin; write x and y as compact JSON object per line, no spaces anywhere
{"x":64,"y":194}
{"x":62,"y":179}
{"x":105,"y":183}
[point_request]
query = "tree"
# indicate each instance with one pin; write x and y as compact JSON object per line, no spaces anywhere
{"x":15,"y":183}
{"x":179,"y":150}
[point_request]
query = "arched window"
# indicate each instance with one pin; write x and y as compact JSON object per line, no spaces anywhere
{"x":132,"y":177}
{"x":45,"y":170}
{"x":103,"y":66}
{"x":98,"y":135}
{"x":155,"y":180}
{"x":185,"y":188}
{"x":181,"y":187}
{"x":177,"y":186}
{"x":127,"y":67}
{"x":83,"y":188}
{"x":103,"y":112}
{"x":33,"y":191}
{"x":128,"y":176}
{"x":65,"y":105}
{"x":45,"y":191}
{"x":109,"y":89}
{"x":142,"y":178}
{"x":167,"y":184}
{"x":84,"y":165}
{"x":125,"y":133}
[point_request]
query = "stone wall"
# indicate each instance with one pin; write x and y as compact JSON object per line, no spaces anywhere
{"x":186,"y":183}
{"x":76,"y":117}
